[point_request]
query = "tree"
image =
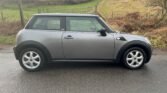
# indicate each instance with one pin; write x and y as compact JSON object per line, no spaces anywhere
{"x":163,"y":13}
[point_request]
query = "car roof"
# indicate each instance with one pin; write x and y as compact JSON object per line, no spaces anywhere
{"x":65,"y":14}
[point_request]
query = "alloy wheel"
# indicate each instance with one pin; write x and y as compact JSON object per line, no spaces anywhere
{"x":134,"y":58}
{"x":31,"y":60}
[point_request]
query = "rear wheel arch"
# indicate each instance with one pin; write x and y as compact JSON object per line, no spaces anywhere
{"x":140,"y":44}
{"x":32,"y":44}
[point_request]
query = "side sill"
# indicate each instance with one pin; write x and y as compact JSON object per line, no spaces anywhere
{"x":76,"y":60}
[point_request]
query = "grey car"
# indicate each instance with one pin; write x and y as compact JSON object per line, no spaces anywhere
{"x":53,"y":37}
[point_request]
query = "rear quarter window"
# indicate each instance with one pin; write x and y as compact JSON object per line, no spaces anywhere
{"x":45,"y":23}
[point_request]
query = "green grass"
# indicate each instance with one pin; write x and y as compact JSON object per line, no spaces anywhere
{"x":158,"y":42}
{"x":11,"y":13}
{"x":9,"y":40}
{"x":107,"y":8}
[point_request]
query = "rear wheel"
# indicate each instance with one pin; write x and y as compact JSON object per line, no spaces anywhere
{"x":134,"y":58}
{"x":31,"y":59}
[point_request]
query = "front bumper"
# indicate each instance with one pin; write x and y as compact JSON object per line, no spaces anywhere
{"x":15,"y":53}
{"x":149,"y":52}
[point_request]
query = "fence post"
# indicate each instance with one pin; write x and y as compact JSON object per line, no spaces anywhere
{"x":47,"y":10}
{"x":2,"y":17}
{"x":39,"y":11}
{"x":112,"y":15}
{"x":21,"y":12}
{"x":96,"y":7}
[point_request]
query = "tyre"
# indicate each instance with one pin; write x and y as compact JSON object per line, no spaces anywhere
{"x":134,"y":58}
{"x":31,"y":59}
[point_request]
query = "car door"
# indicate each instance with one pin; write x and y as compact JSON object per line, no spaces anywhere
{"x":83,"y":41}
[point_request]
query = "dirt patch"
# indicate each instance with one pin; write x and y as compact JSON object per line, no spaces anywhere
{"x":160,"y":51}
{"x":9,"y":28}
{"x":3,"y":46}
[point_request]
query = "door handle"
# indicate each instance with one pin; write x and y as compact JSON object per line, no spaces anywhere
{"x":68,"y":37}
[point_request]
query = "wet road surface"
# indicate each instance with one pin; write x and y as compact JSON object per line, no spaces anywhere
{"x":83,"y":77}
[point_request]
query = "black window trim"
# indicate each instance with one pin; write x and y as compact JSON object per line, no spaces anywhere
{"x":105,"y":26}
{"x":63,"y":23}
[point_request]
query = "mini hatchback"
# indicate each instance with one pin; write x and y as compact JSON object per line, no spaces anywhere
{"x":50,"y":37}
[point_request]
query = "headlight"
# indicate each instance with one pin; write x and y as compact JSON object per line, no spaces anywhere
{"x":147,"y":40}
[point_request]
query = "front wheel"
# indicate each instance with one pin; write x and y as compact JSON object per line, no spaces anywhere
{"x":31,"y":59}
{"x":134,"y":58}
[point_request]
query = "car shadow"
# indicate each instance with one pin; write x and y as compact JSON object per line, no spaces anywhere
{"x":68,"y":70}
{"x":82,"y":65}
{"x":91,"y":66}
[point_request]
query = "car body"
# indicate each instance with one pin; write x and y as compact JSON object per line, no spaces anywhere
{"x":76,"y":37}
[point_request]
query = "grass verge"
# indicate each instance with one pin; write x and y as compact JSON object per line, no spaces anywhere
{"x":9,"y":24}
{"x":11,"y":13}
{"x":7,"y":40}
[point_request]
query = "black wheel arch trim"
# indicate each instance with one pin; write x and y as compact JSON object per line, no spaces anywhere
{"x":31,"y":44}
{"x":136,"y":43}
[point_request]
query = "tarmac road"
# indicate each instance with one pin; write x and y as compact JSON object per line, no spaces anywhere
{"x":83,"y":77}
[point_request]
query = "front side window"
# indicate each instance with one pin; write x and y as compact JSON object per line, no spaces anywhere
{"x":45,"y":23}
{"x":83,"y":24}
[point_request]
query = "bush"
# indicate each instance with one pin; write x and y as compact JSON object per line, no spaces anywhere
{"x":158,"y":37}
{"x":133,"y":22}
{"x":136,"y":24}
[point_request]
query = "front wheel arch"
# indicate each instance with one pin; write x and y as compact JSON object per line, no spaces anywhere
{"x":146,"y":47}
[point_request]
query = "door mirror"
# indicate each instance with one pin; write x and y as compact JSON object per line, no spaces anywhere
{"x":103,"y":32}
